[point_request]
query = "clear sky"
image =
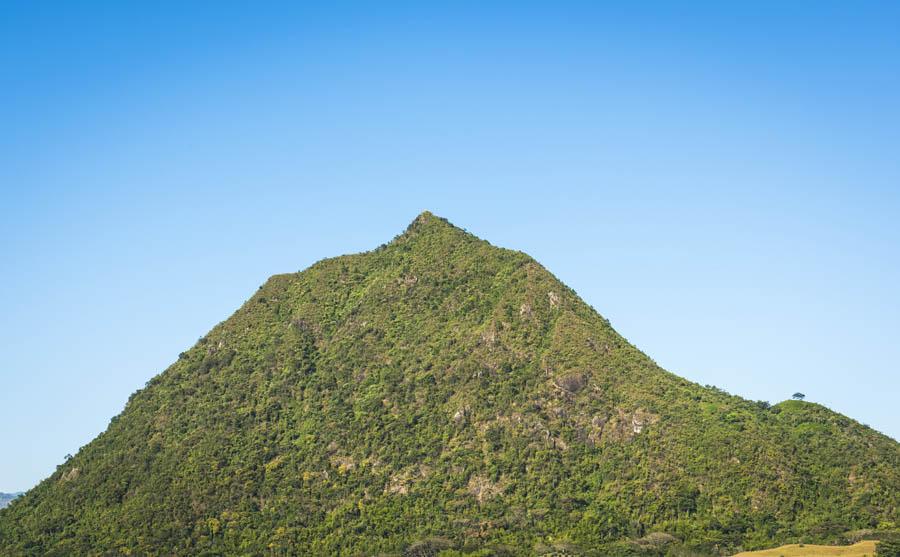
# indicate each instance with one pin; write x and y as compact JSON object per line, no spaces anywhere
{"x":721,"y":181}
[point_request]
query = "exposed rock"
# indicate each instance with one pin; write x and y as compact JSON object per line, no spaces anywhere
{"x":656,"y":540}
{"x":401,"y":482}
{"x":461,"y":415}
{"x":489,"y":335}
{"x":343,"y":463}
{"x":572,"y":382}
{"x":482,"y":488}
{"x":623,"y":426}
{"x":637,"y":424}
{"x":69,"y":475}
{"x":554,"y":299}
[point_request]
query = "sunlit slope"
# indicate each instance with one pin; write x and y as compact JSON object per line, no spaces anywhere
{"x":439,"y":390}
{"x":860,"y":549}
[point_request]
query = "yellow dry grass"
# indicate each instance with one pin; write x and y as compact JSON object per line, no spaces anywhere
{"x":860,"y":549}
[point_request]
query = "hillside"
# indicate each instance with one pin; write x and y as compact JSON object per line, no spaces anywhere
{"x":442,"y":393}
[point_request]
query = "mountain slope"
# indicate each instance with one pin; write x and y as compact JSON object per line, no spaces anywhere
{"x":442,"y":392}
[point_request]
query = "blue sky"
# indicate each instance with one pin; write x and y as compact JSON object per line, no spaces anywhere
{"x":721,"y":181}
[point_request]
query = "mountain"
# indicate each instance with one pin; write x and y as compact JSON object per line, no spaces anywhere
{"x":6,"y":498}
{"x":442,"y":394}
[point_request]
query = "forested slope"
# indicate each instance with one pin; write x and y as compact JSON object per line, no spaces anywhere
{"x":439,"y":393}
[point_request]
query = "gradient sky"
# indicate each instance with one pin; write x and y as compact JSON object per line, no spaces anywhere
{"x":722,"y":182}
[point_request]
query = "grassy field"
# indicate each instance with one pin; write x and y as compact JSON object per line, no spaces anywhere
{"x":861,"y":549}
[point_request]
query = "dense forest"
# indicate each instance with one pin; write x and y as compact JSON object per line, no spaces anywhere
{"x":439,"y":395}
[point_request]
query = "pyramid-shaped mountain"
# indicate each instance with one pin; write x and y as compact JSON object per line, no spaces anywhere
{"x":442,"y":394}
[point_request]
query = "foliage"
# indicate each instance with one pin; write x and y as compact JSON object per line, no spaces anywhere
{"x":889,"y":547}
{"x":439,"y":395}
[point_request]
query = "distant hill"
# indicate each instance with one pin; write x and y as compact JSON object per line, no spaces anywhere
{"x":442,"y":394}
{"x":5,"y":498}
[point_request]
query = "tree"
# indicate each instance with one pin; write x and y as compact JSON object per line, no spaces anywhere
{"x":888,"y":548}
{"x":799,"y":396}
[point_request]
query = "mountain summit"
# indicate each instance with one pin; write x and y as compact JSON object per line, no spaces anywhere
{"x":442,"y":394}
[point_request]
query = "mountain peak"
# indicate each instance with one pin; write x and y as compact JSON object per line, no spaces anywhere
{"x":427,"y":215}
{"x":444,"y":391}
{"x":426,"y":220}
{"x":427,"y":224}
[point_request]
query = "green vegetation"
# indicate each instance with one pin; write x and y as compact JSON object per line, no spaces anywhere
{"x":889,"y":547}
{"x":439,"y":395}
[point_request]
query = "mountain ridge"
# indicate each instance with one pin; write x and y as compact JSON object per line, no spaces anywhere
{"x":439,"y":392}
